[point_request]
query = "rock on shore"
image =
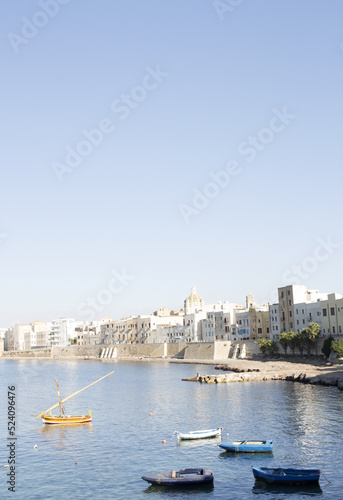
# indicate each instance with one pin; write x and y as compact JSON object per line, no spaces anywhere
{"x":253,"y":371}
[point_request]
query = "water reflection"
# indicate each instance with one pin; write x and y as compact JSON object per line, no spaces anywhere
{"x":194,"y":443}
{"x":61,"y":434}
{"x":180,"y":491}
{"x":263,"y":488}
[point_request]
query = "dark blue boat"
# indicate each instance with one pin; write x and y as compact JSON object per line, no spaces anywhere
{"x":286,"y":476}
{"x":248,"y":446}
{"x":184,"y":477}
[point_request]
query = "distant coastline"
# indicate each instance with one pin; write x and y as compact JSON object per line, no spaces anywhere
{"x":315,"y":371}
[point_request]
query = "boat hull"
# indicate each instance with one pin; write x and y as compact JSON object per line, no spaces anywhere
{"x":248,"y":446}
{"x":204,"y":434}
{"x":184,"y":477}
{"x":66,"y":419}
{"x":286,"y":476}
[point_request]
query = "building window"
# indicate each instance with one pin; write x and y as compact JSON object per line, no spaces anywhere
{"x":290,"y":302}
{"x":332,"y":311}
{"x":333,"y":329}
{"x":290,"y":314}
{"x":324,"y":312}
{"x":291,"y":324}
{"x":297,"y":311}
{"x":282,"y":295}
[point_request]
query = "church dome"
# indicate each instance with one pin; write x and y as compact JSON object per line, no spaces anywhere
{"x":194,"y":296}
{"x":193,"y":302}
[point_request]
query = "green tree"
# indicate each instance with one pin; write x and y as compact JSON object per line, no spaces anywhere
{"x":301,"y":340}
{"x":292,"y":341}
{"x":263,"y":346}
{"x":284,"y":340}
{"x":337,"y":346}
{"x":271,"y":346}
{"x":267,"y":346}
{"x":313,"y":332}
{"x":326,"y":349}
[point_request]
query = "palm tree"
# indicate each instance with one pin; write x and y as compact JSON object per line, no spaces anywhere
{"x":284,"y":340}
{"x":313,"y":331}
{"x":292,"y":341}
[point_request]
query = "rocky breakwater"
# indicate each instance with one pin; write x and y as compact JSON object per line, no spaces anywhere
{"x":334,"y":378}
{"x":255,"y":371}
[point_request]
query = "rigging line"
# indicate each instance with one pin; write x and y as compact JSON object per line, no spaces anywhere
{"x":241,"y":475}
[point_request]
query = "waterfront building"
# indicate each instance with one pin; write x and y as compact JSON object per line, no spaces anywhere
{"x":291,"y":296}
{"x":88,"y":333}
{"x":2,"y":338}
{"x":62,"y":332}
{"x":147,"y":327}
{"x":9,"y":340}
{"x":259,"y":322}
{"x":241,"y":329}
{"x":19,"y":333}
{"x":115,"y":332}
{"x":305,"y":313}
{"x":37,"y":335}
{"x":251,"y":322}
{"x":274,"y":321}
{"x":138,"y":329}
{"x":219,"y":320}
{"x":332,"y":315}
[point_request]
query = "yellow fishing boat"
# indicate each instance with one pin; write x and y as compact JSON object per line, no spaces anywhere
{"x":63,"y":418}
{"x":67,"y":419}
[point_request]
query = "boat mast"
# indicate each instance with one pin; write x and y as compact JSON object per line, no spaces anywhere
{"x":63,"y":400}
{"x":59,"y":397}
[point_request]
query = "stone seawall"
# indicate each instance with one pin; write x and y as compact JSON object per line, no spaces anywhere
{"x":204,"y":351}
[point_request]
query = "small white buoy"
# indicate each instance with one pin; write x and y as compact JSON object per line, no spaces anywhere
{"x":35,"y":447}
{"x":6,"y":466}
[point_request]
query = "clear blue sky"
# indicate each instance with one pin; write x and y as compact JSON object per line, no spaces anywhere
{"x":182,"y":91}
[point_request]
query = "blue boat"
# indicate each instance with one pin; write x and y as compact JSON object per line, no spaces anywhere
{"x":286,"y":476}
{"x":248,"y":446}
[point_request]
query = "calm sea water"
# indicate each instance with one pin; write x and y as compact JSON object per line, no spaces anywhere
{"x":107,"y":458}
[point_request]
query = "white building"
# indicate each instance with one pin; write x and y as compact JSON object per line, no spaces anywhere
{"x":274,"y":318}
{"x":293,"y":298}
{"x":305,"y":313}
{"x":242,"y":327}
{"x":332,"y":315}
{"x":63,"y":331}
{"x":150,"y":327}
{"x":19,"y":334}
{"x":219,"y":322}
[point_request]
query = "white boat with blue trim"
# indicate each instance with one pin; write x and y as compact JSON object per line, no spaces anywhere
{"x":202,"y":434}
